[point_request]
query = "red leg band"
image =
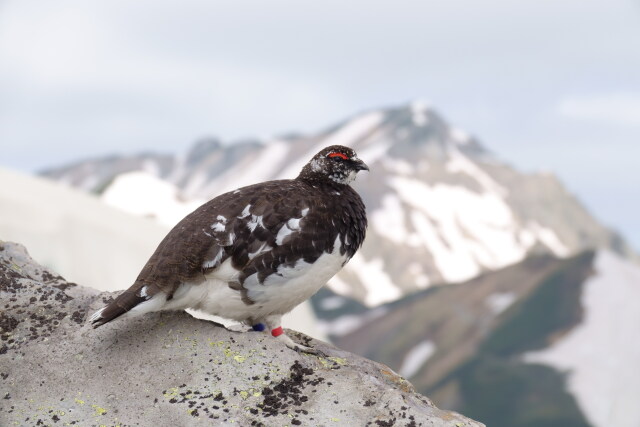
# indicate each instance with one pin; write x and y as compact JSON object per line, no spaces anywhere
{"x":277,"y":331}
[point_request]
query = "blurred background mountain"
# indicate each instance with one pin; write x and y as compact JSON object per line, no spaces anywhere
{"x":491,"y":286}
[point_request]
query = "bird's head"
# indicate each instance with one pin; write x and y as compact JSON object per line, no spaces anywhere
{"x":335,"y":163}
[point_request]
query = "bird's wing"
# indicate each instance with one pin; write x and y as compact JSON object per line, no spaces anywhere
{"x":198,"y":245}
{"x":232,"y":225}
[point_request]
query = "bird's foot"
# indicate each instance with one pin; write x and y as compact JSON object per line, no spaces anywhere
{"x":299,"y":348}
{"x":309,"y":350}
{"x":238,"y":327}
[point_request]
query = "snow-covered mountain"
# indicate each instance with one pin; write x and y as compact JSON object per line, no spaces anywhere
{"x":442,"y":208}
{"x":544,"y":342}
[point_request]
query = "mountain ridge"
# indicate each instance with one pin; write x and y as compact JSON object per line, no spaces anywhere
{"x":434,"y":195}
{"x":538,"y":343}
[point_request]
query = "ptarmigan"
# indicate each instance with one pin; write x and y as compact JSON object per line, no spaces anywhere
{"x":253,"y":254}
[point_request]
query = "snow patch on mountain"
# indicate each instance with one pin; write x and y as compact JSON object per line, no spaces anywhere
{"x":462,"y":229}
{"x":454,"y":266}
{"x":332,"y":303}
{"x":500,"y":301}
{"x":337,"y":285}
{"x":143,"y":194}
{"x":151,"y":167}
{"x":461,"y":163}
{"x":416,"y":358}
{"x":602,"y":353}
{"x":253,"y":169}
{"x":373,"y":152}
{"x":374,"y":278}
{"x":348,"y":323}
{"x":197,"y":180}
{"x":419,"y":110}
{"x":549,"y":238}
{"x":421,"y":280}
{"x":397,"y":166}
{"x":389,"y":221}
{"x":459,"y":136}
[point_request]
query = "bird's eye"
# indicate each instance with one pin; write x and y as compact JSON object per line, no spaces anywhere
{"x":337,"y":156}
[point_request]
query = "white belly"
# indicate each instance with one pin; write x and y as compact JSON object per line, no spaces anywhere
{"x":279,"y":294}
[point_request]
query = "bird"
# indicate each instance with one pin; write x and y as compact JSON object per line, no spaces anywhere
{"x":253,"y":254}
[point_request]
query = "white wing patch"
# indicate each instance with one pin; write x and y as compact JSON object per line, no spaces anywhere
{"x":231,"y":237}
{"x":245,"y":213}
{"x":213,"y":262}
{"x":292,"y":226}
{"x":254,"y":222}
{"x":264,"y":248}
{"x":220,"y":225}
{"x":143,"y":292}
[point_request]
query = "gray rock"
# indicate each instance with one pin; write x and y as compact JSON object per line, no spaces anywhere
{"x":172,"y":369}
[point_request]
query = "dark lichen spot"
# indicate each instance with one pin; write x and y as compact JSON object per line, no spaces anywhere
{"x":78,"y":316}
{"x":288,"y":392}
{"x":7,"y":324}
{"x":62,"y":297}
{"x":64,"y":286}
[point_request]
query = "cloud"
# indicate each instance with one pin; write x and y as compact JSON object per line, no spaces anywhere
{"x":612,"y":108}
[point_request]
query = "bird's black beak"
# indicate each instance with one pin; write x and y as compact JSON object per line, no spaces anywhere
{"x":359,"y":165}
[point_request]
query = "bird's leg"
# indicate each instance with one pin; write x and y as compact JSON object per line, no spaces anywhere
{"x":257,"y":324}
{"x":278,"y":333}
{"x":248,"y":325}
{"x":258,"y":327}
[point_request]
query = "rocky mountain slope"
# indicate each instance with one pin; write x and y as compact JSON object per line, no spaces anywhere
{"x":544,"y":342}
{"x":172,"y":369}
{"x":442,"y":207}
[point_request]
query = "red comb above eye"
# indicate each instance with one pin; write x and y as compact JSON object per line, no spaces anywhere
{"x":342,"y":156}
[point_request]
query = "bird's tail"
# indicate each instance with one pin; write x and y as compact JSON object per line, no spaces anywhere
{"x":122,"y":304}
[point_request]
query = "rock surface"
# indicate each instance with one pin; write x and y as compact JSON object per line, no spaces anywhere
{"x":173,"y":369}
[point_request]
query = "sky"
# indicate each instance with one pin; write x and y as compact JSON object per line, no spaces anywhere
{"x":551,"y":85}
